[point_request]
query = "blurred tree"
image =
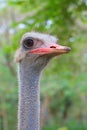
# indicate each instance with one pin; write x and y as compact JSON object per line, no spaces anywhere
{"x":63,"y":91}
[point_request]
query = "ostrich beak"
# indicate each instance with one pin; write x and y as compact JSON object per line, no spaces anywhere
{"x":53,"y":49}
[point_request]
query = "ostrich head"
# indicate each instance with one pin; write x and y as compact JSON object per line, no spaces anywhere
{"x":37,"y":49}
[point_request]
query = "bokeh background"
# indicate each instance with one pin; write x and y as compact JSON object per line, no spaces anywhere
{"x":64,"y":81}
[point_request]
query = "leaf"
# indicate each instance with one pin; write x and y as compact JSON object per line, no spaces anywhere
{"x":63,"y":128}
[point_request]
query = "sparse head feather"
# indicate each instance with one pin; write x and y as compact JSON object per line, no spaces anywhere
{"x":43,"y":37}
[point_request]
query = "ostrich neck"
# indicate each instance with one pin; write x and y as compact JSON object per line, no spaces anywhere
{"x":29,"y":98}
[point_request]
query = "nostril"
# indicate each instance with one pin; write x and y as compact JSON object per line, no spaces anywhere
{"x":52,"y":46}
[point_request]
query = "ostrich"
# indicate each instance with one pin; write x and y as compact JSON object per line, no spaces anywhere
{"x":36,"y":49}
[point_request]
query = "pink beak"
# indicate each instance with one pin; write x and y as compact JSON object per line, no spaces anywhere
{"x":54,"y":49}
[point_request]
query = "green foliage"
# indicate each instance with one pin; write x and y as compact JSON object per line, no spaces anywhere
{"x":64,"y":80}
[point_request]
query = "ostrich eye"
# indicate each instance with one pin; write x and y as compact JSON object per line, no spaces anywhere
{"x":28,"y":42}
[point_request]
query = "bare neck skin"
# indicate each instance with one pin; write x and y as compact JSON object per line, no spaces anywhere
{"x":29,"y":98}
